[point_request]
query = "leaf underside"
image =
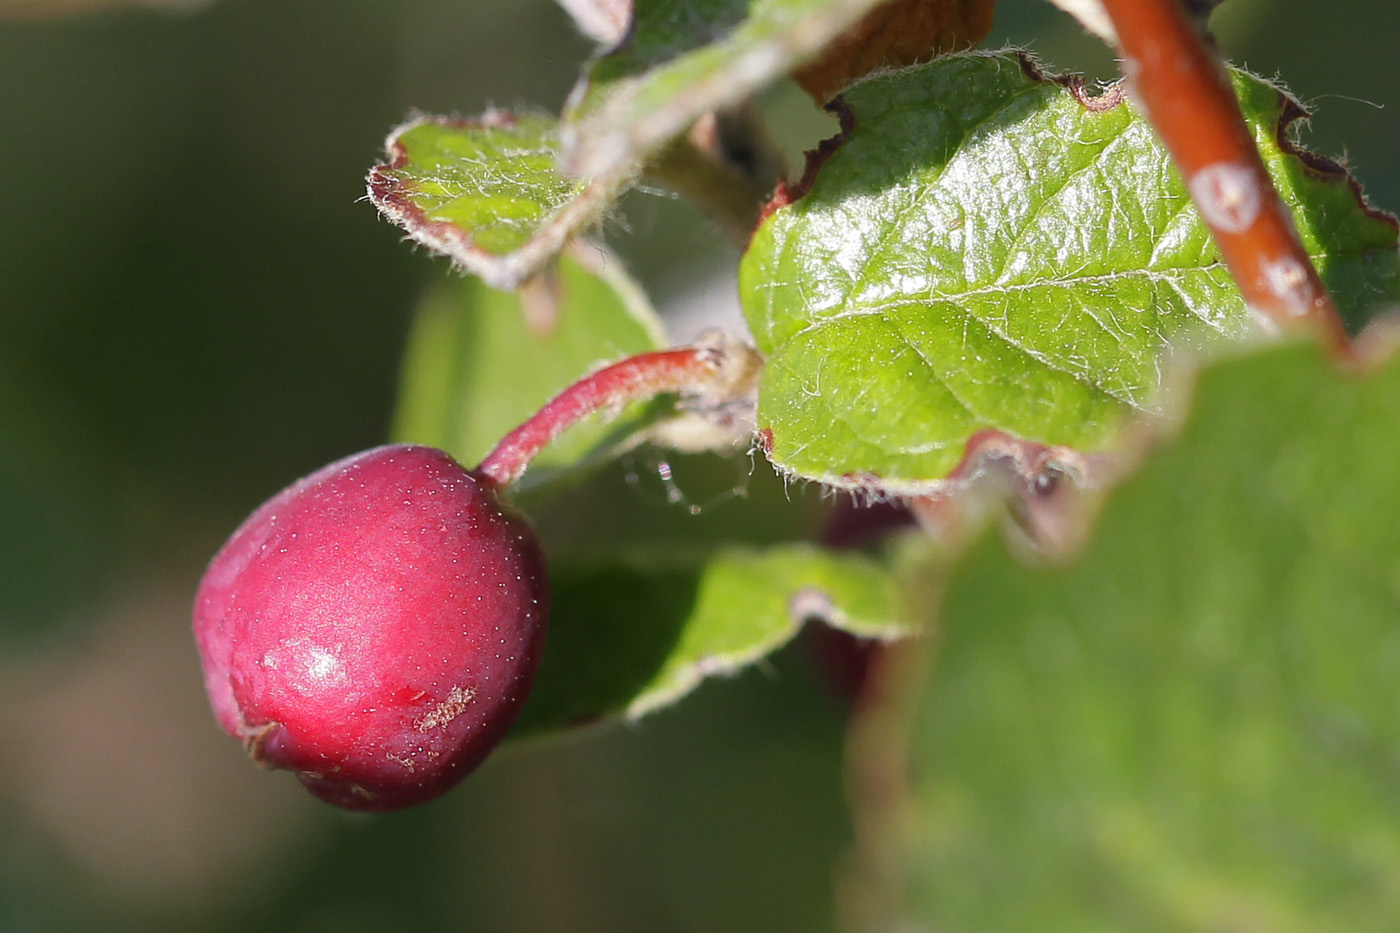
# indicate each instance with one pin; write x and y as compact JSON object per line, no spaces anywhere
{"x":1188,"y":729}
{"x":491,"y":194}
{"x":682,"y":59}
{"x":487,"y":193}
{"x":983,"y":251}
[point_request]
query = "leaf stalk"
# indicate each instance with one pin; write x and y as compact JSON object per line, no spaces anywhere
{"x":712,"y":370}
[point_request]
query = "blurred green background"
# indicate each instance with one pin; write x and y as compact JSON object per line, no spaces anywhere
{"x":196,"y":307}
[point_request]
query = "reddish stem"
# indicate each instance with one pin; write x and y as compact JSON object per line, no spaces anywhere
{"x":633,"y":379}
{"x":1180,"y":83}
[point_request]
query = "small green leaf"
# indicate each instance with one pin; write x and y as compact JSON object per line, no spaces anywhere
{"x":664,"y":570}
{"x":683,"y":58}
{"x":481,"y":361}
{"x":748,"y":604}
{"x":487,"y":193}
{"x":1194,"y":726}
{"x":982,"y":251}
{"x":631,"y":636}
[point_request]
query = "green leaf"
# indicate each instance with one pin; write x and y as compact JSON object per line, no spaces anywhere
{"x":683,"y":58}
{"x":687,"y":567}
{"x":982,"y":251}
{"x":481,"y":361}
{"x":487,"y":192}
{"x":1194,"y":726}
{"x":631,"y":636}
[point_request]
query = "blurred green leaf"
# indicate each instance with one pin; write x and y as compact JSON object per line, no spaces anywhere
{"x":984,"y":251}
{"x":487,"y":192}
{"x":683,"y":58}
{"x":631,"y":636}
{"x":1194,"y":726}
{"x":481,"y":361}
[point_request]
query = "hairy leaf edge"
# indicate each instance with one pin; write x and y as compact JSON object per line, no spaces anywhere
{"x":393,"y":196}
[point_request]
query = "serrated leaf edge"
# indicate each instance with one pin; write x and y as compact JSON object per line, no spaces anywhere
{"x":1320,"y":167}
{"x":988,"y":451}
{"x":787,"y":192}
{"x":1027,"y":458}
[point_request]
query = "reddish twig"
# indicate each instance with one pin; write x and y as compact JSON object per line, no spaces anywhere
{"x":1179,"y":81}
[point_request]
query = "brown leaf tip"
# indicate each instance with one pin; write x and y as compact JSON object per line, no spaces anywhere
{"x":1114,"y":95}
{"x":1108,"y":97}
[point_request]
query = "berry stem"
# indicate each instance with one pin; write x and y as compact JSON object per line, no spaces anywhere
{"x":633,"y":379}
{"x":1180,"y":82}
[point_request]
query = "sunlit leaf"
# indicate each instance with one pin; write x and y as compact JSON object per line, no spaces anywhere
{"x":487,"y":192}
{"x":982,"y":250}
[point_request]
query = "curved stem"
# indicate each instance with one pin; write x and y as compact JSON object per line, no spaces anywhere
{"x":633,"y":379}
{"x":1181,"y":84}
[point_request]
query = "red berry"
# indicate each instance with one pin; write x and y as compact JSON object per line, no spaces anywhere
{"x":374,"y":627}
